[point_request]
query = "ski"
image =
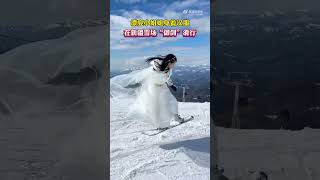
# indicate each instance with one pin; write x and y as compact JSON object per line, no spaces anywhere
{"x":153,"y":132}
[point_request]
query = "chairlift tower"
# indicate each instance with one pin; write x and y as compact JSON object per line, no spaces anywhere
{"x":183,"y":94}
{"x":237,"y":79}
{"x":184,"y":87}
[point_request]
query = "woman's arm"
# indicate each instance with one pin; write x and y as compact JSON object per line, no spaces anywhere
{"x":170,"y":82}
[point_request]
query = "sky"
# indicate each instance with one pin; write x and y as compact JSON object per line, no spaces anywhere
{"x":131,"y":52}
{"x":50,"y":11}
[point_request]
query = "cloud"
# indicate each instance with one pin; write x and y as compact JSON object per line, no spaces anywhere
{"x":179,"y":6}
{"x":175,"y":49}
{"x":136,"y":62}
{"x":170,"y":13}
{"x":130,"y":1}
{"x":131,"y":52}
{"x":121,"y":21}
{"x":137,"y":14}
{"x":185,"y":55}
{"x":183,"y":4}
{"x":201,"y":24}
{"x":118,"y":22}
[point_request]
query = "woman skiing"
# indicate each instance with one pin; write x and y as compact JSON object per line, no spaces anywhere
{"x":152,"y":99}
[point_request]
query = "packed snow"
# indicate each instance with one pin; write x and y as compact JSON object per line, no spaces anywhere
{"x":281,"y":154}
{"x":180,"y":153}
{"x":46,"y":130}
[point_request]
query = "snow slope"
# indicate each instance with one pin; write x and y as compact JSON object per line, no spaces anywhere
{"x":282,"y":154}
{"x":181,"y":153}
{"x":47,"y":130}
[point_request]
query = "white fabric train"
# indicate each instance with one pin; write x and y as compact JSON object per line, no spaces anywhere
{"x":153,"y":100}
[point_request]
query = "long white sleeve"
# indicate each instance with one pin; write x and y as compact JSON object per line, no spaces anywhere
{"x":161,"y":78}
{"x":169,"y":81}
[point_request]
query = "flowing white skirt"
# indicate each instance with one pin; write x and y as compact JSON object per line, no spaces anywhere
{"x":152,"y":102}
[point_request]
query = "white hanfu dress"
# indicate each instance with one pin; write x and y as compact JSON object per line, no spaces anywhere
{"x":153,"y":101}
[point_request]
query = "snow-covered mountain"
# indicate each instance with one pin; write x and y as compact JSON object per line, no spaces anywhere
{"x":181,"y":153}
{"x":46,"y":130}
{"x":12,"y":36}
{"x":195,"y":78}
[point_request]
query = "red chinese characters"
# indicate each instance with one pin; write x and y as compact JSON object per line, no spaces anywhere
{"x":139,"y":33}
{"x":170,"y":32}
{"x":154,"y":32}
{"x":189,"y":33}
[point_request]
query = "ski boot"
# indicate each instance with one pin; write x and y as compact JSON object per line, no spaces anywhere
{"x":178,"y":118}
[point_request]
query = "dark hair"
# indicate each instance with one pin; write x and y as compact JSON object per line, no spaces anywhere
{"x":166,"y":60}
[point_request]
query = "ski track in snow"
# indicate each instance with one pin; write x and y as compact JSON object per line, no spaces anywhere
{"x":181,"y":153}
